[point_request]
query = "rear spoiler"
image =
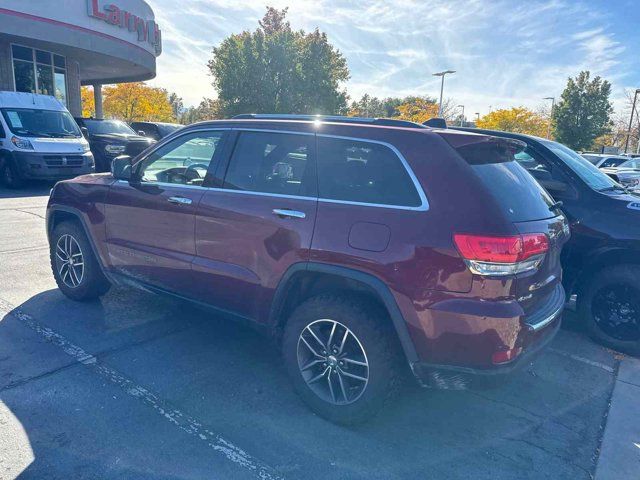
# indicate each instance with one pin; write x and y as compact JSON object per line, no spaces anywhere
{"x":435,"y":122}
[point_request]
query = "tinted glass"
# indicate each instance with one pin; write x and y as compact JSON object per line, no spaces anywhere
{"x":365,"y":172}
{"x":167,"y":129}
{"x":267,"y":162}
{"x":101,"y":127}
{"x":24,"y":76}
{"x":22,"y":53}
{"x":590,"y":174}
{"x":45,"y":79}
{"x":520,"y":197}
{"x":43,"y":57}
{"x":58,"y":61}
{"x":613,"y":162}
{"x":184,"y":161}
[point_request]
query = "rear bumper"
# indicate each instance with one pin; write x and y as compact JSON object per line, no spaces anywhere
{"x":534,"y":334}
{"x":54,"y":166}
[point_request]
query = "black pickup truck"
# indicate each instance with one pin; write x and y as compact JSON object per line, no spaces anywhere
{"x":111,"y":138}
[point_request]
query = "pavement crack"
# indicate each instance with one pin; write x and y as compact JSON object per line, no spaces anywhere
{"x":568,"y":461}
{"x":31,"y":213}
{"x":24,"y":381}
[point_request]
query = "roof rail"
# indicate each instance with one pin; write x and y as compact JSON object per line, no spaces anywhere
{"x":388,"y":122}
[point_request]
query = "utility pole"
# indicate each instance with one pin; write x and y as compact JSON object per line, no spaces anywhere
{"x":553,"y":104}
{"x":477,"y":116}
{"x":462,"y":117}
{"x":442,"y":75}
{"x":633,"y":109}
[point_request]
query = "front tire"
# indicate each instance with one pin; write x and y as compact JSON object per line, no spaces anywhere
{"x":11,"y":176}
{"x":75,"y":267}
{"x":610,"y":306}
{"x":342,"y":357}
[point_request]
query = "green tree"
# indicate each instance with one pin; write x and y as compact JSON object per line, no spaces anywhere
{"x":583,"y":112}
{"x":517,"y":119}
{"x":275,"y":69}
{"x":208,"y":109}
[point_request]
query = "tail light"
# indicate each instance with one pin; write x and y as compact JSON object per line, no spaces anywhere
{"x":509,"y":255}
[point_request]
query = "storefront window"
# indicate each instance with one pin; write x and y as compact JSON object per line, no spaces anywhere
{"x":38,"y":71}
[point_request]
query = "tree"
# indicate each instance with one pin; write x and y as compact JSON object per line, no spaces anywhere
{"x":88,"y":102}
{"x":137,"y":102}
{"x":517,"y":120}
{"x":177,"y":106}
{"x":208,"y":109}
{"x":584,"y":111}
{"x":369,"y":106}
{"x":278,"y":70}
{"x":417,"y":109}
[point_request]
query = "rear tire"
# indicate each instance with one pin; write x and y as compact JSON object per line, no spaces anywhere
{"x":610,"y":306}
{"x":75,"y":267}
{"x":10,"y":176}
{"x":328,"y":373}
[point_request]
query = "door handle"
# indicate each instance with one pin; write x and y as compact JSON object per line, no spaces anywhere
{"x":284,"y":213}
{"x":180,"y":200}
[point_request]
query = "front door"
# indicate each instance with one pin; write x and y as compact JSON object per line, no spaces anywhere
{"x":150,"y":221}
{"x":258,"y":224}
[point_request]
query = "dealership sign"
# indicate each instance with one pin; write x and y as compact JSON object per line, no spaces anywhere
{"x":146,"y":30}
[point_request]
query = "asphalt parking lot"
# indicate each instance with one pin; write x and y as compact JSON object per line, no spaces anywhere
{"x":138,"y":386}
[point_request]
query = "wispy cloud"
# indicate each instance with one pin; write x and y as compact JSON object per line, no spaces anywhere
{"x":505,"y":52}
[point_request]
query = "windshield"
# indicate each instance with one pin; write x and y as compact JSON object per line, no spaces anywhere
{"x":28,"y":122}
{"x":168,"y":129}
{"x":613,"y":162}
{"x":101,"y":127}
{"x":588,"y":172}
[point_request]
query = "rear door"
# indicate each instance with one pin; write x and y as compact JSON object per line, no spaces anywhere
{"x":258,"y":223}
{"x":150,"y":221}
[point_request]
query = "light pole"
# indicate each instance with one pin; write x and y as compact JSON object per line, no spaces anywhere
{"x":442,"y":74}
{"x":462,"y":117}
{"x":553,"y":104}
{"x":477,"y":116}
{"x":633,"y":108}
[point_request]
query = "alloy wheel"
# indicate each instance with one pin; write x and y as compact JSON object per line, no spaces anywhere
{"x":333,"y":362}
{"x":69,"y":261}
{"x":616,"y":311}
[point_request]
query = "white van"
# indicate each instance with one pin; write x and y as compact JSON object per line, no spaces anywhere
{"x":39,"y":139}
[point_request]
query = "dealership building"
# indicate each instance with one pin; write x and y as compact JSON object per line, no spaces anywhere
{"x":53,"y":47}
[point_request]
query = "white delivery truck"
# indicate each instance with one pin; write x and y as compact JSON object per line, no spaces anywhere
{"x":39,"y":139}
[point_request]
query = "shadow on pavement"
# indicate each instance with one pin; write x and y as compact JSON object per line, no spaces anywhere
{"x":31,"y":189}
{"x":545,"y":423}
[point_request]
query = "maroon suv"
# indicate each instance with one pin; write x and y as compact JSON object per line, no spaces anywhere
{"x":364,"y":245}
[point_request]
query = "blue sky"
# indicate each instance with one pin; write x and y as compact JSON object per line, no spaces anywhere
{"x":506,"y":52}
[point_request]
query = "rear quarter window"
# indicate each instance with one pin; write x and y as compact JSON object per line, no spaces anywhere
{"x":518,"y":194}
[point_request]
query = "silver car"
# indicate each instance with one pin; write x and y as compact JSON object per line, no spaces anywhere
{"x":625,"y":170}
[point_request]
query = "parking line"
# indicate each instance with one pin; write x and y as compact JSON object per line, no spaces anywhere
{"x":578,"y":358}
{"x":181,"y":420}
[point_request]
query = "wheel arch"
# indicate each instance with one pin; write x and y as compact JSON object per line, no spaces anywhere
{"x":600,"y":259}
{"x":304,"y":280}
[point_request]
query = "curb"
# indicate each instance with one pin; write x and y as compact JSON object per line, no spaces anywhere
{"x":620,"y":451}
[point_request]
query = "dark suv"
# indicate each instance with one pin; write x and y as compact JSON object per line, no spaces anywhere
{"x":111,"y":138}
{"x":362,"y":244}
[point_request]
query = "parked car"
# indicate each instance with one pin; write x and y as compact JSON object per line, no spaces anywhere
{"x":361,"y":246}
{"x":622,"y":169}
{"x":39,"y":140}
{"x":111,"y":138}
{"x":155,"y":130}
{"x":601,"y":262}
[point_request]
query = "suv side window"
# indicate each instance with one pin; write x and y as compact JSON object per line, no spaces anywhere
{"x":267,"y":162}
{"x":547,"y":175}
{"x":363,"y":172}
{"x":185,"y":160}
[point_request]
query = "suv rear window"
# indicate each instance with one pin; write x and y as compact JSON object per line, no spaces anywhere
{"x":364,"y":172}
{"x":516,"y":191}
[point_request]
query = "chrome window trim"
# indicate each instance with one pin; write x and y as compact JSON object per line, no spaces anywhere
{"x":424,"y":203}
{"x":424,"y":206}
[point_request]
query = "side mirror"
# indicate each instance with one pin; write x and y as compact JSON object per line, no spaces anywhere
{"x":121,"y":168}
{"x":85,"y":132}
{"x":141,"y":133}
